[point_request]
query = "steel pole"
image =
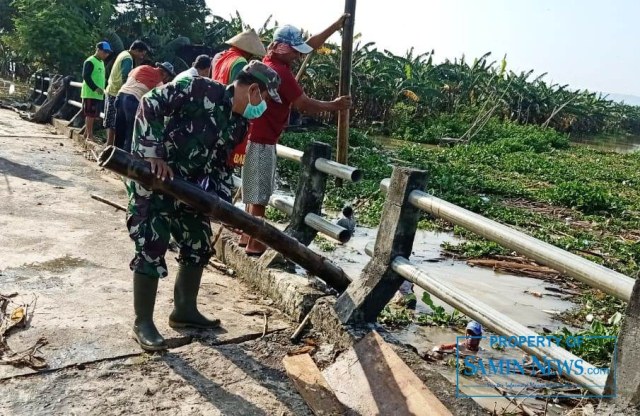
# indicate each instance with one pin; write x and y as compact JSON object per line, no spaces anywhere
{"x":595,"y":275}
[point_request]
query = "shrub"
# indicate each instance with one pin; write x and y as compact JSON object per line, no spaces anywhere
{"x":588,"y":198}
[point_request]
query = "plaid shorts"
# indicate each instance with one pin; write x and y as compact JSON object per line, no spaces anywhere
{"x":109,"y":121}
{"x":91,"y":107}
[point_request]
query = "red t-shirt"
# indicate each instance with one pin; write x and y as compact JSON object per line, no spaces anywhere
{"x":268,"y":128}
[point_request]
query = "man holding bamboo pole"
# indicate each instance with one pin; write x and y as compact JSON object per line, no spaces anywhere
{"x":258,"y":171}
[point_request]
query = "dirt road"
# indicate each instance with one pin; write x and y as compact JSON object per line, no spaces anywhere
{"x":70,"y":254}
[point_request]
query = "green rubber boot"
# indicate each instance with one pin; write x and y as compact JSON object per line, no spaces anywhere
{"x":145,"y":332}
{"x":185,"y":310}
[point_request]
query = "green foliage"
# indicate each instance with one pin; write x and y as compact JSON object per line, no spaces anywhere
{"x":275,"y":215}
{"x":159,"y":21}
{"x":475,"y":248}
{"x":324,"y":244}
{"x":395,"y":317}
{"x":439,"y":316}
{"x":58,"y":34}
{"x":595,"y":350}
{"x":7,"y":13}
{"x":585,"y":197}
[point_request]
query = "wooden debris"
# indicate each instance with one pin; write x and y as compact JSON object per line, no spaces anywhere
{"x":526,"y":410}
{"x":312,"y":385}
{"x":219,"y":266}
{"x":371,"y":378}
{"x":18,"y":316}
{"x":561,"y":290}
{"x":300,"y":328}
{"x":265,"y":327}
{"x":534,"y":293}
{"x":523,"y":269}
{"x":106,"y":201}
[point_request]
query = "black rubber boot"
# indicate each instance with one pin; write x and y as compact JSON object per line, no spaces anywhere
{"x":145,"y":332}
{"x":185,"y":310}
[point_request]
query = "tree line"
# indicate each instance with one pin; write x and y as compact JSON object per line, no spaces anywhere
{"x":408,"y":96}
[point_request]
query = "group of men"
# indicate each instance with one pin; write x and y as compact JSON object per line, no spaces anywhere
{"x":191,"y":125}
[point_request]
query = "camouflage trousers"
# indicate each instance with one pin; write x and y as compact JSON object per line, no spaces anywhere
{"x":152,"y":218}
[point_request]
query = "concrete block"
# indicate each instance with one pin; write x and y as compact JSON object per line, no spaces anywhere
{"x":293,"y":294}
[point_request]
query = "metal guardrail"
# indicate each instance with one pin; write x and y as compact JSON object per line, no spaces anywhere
{"x":595,"y":275}
{"x":312,"y":220}
{"x":39,"y":81}
{"x":588,"y":272}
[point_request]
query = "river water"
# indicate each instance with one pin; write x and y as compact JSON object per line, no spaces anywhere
{"x":618,"y":144}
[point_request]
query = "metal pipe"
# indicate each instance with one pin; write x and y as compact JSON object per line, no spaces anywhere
{"x":595,"y":275}
{"x":281,"y":204}
{"x":369,"y":247}
{"x":76,"y":84}
{"x":502,"y":325}
{"x":325,"y":227}
{"x":289,"y":153}
{"x":74,"y":103}
{"x":323,"y":165}
{"x":338,"y":170}
{"x":313,"y":220}
{"x":211,"y":205}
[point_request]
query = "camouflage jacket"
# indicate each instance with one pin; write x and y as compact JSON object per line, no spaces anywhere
{"x":200,"y":133}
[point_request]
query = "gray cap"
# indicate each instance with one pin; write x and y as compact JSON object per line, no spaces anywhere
{"x":167,"y":67}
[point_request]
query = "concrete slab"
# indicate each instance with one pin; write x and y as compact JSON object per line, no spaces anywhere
{"x":292,"y":293}
{"x":72,"y":252}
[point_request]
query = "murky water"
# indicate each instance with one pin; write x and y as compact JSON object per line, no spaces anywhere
{"x":504,"y":292}
{"x":618,"y":144}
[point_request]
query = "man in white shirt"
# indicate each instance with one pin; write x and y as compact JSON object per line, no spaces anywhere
{"x":201,"y":68}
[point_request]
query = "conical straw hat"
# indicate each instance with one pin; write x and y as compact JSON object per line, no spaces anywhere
{"x":248,"y":41}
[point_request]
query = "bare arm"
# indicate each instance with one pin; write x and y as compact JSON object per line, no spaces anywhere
{"x":306,"y":104}
{"x":318,"y":40}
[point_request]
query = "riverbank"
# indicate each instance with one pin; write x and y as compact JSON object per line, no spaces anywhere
{"x":583,"y":200}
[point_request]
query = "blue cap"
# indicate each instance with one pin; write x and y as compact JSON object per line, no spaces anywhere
{"x":104,"y":46}
{"x":474,"y":327}
{"x":292,"y":36}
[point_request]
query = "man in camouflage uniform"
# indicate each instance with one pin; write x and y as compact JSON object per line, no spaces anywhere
{"x":206,"y":120}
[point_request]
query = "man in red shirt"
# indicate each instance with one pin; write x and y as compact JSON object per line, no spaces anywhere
{"x":258,"y":171}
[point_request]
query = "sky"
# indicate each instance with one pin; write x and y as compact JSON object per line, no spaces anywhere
{"x":584,"y":43}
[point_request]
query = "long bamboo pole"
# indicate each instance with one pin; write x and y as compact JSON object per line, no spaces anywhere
{"x":212,"y":206}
